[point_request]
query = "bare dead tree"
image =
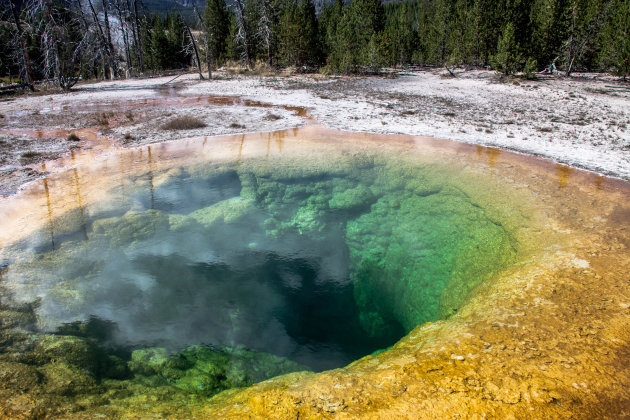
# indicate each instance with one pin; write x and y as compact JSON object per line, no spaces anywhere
{"x":123,"y":18}
{"x":107,"y":55}
{"x":191,"y":47}
{"x":108,"y":31}
{"x":206,"y":40}
{"x":264,"y":28}
{"x":194,"y":48}
{"x":61,"y":44}
{"x":92,"y":46}
{"x":25,"y":59}
{"x":242,"y":34}
{"x":48,"y":41}
{"x":138,"y":36}
{"x":110,"y":45}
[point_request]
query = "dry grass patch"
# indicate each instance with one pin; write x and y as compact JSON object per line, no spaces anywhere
{"x":183,"y":123}
{"x":103,"y":118}
{"x":30,"y":157}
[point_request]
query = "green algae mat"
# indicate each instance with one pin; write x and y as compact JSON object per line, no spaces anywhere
{"x":161,"y":281}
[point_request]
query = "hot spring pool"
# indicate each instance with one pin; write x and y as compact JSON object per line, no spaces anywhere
{"x":174,"y":272}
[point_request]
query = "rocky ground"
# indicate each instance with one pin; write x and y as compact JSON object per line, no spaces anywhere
{"x":581,"y":121}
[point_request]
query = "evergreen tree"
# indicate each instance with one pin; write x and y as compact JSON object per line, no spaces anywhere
{"x":586,"y":17}
{"x":289,"y":33}
{"x":7,"y":65}
{"x":461,"y":35}
{"x":353,"y":35}
{"x":357,"y":34}
{"x":328,"y":21}
{"x":615,"y":39}
{"x":217,"y":25}
{"x":159,"y":45}
{"x":507,"y":59}
{"x":549,"y":20}
{"x":233,"y":48}
{"x":146,"y":30}
{"x":423,"y":19}
{"x":400,"y":38}
{"x":488,"y":18}
{"x":309,"y":53}
{"x":177,"y":37}
{"x":242,"y":38}
{"x":252,"y":12}
{"x":299,"y":35}
{"x":518,"y":13}
{"x":268,"y":28}
{"x":439,"y":33}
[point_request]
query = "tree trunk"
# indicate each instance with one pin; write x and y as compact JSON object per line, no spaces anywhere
{"x":104,"y":45}
{"x":139,"y":52}
{"x":124,"y":35}
{"x":25,"y":56}
{"x":194,"y":44}
{"x":265,"y":28}
{"x":110,"y":46}
{"x":205,"y":38}
{"x":242,"y":31}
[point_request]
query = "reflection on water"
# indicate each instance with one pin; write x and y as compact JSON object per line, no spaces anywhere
{"x":564,"y":173}
{"x":491,"y":154}
{"x":50,"y":214}
{"x":192,"y":261}
{"x":317,"y":259}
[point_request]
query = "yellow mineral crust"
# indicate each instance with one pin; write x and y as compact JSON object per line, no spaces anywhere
{"x":548,"y":340}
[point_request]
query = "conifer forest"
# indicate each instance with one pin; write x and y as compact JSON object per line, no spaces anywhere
{"x":64,"y":40}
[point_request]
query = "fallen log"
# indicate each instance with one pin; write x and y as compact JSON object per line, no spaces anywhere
{"x":12,"y":87}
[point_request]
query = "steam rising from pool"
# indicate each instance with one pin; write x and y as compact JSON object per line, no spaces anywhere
{"x":318,"y":265}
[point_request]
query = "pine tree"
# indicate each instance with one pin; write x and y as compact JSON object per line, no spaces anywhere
{"x":309,"y":54}
{"x":488,"y":18}
{"x":299,"y":35}
{"x":549,"y":30}
{"x":329,"y":20}
{"x":216,"y":18}
{"x":507,"y":59}
{"x":439,"y":33}
{"x":586,"y":18}
{"x":240,"y":32}
{"x":615,"y":39}
{"x":461,"y":35}
{"x":252,"y":18}
{"x":267,"y":27}
{"x":146,"y":32}
{"x":360,"y":22}
{"x":289,"y":33}
{"x":177,"y":37}
{"x":160,"y":48}
{"x":400,"y":39}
